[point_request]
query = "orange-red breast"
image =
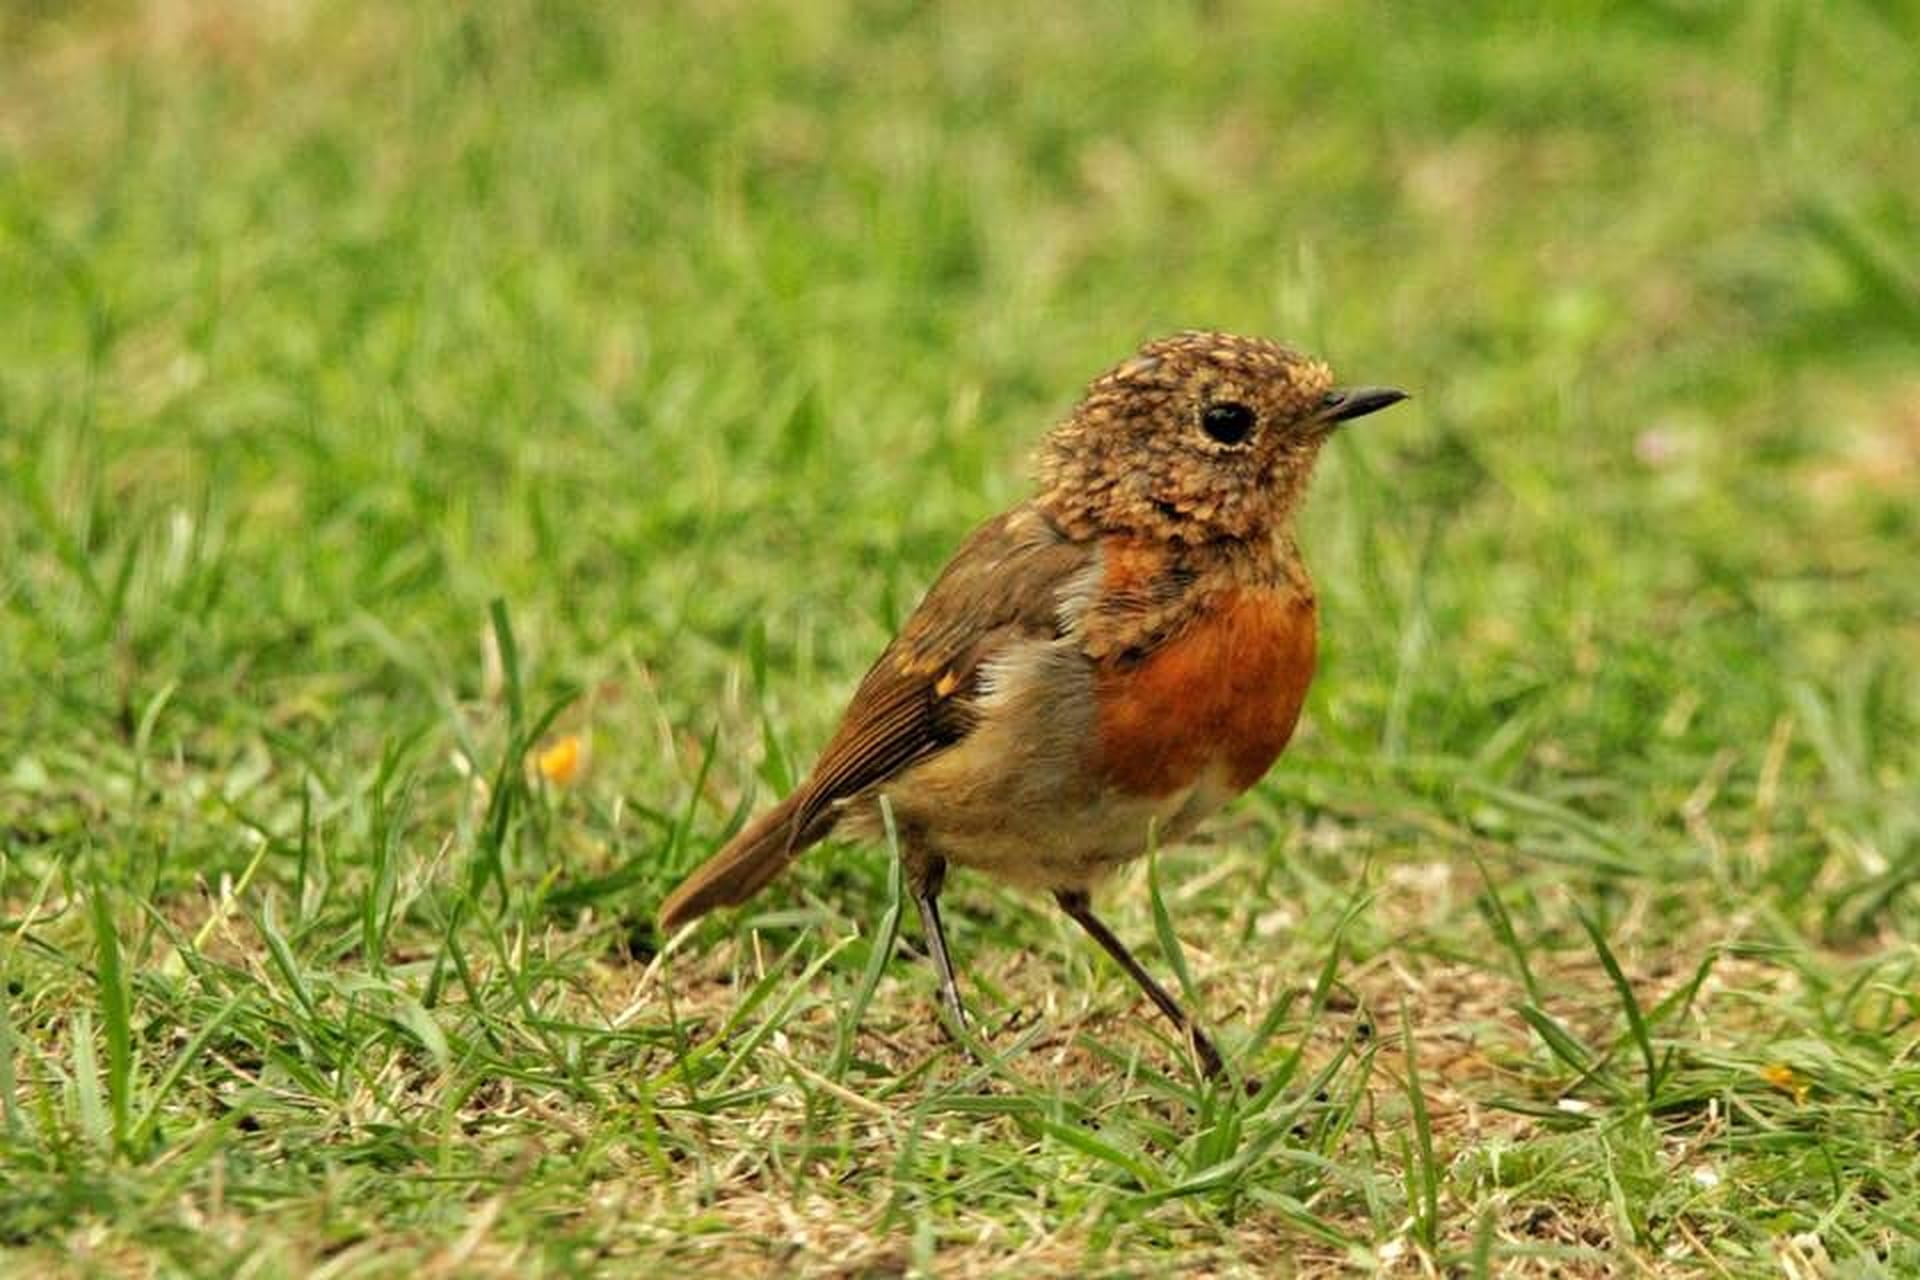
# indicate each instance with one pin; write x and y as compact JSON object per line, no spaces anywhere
{"x":1103,"y":665}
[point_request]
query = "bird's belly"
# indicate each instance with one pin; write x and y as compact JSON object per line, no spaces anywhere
{"x":1070,"y":839}
{"x":1073,"y":771}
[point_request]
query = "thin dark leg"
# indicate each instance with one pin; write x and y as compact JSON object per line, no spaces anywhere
{"x":926,"y":894}
{"x":1076,"y":904}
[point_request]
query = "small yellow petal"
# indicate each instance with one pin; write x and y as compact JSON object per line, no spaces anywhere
{"x":560,"y":763}
{"x":1782,"y":1077}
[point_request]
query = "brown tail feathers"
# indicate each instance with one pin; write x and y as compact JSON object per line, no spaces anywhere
{"x":747,"y":864}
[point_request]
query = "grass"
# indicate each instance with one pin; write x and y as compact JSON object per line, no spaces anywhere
{"x":388,"y":393}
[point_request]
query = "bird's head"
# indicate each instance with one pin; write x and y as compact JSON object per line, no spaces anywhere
{"x":1196,"y":438}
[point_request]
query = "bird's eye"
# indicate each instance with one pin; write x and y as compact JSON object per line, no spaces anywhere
{"x":1228,"y":422}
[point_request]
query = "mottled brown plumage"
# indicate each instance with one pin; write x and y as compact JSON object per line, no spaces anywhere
{"x":1099,"y":667}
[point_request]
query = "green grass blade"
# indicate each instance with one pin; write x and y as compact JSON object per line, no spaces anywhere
{"x":1425,"y":1169}
{"x":1502,"y":925}
{"x":1561,"y":1042}
{"x":89,"y":1098}
{"x":881,"y":950}
{"x":1170,"y":947}
{"x":509,"y":651}
{"x":1629,"y":1002}
{"x":116,"y":1013}
{"x":10,"y":1044}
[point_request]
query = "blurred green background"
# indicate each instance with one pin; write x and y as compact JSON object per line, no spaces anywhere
{"x":697,"y":335}
{"x":711,"y":322}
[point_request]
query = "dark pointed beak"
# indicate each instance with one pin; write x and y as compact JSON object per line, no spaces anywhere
{"x":1343,"y":404}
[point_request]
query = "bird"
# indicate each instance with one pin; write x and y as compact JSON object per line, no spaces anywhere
{"x":1098,"y":669}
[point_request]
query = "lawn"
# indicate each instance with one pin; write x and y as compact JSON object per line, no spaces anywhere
{"x":456,"y":460}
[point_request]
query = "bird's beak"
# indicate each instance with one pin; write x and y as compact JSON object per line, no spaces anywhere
{"x":1345,"y":403}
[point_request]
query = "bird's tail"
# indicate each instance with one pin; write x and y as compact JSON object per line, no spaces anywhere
{"x":748,"y":863}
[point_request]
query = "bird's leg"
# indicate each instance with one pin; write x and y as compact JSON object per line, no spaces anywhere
{"x":1077,"y":904}
{"x":927,"y":879}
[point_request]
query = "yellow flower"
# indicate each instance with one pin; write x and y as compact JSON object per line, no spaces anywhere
{"x":1782,"y":1077}
{"x":560,"y":763}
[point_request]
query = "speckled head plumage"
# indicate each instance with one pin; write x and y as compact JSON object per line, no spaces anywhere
{"x":1197,"y":437}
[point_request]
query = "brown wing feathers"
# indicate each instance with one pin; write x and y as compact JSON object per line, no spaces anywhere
{"x":917,"y":699}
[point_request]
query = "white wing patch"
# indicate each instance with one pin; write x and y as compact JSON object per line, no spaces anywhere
{"x":1076,"y":596}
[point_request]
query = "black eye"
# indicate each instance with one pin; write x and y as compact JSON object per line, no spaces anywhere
{"x":1228,"y":422}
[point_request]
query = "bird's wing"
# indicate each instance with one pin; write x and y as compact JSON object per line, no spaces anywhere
{"x":1017,"y":577}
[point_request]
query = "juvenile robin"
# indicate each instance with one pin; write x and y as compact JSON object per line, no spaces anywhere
{"x":1100,"y":667}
